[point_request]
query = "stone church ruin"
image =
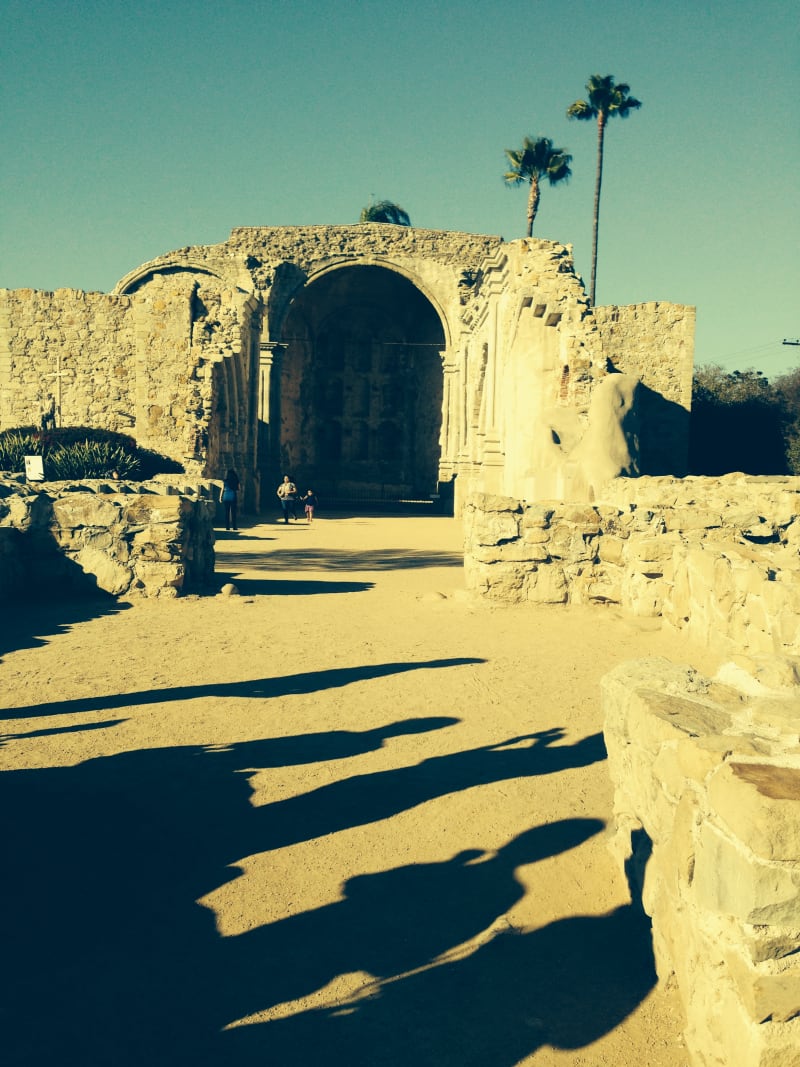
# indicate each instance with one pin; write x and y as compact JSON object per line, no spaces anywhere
{"x":380,"y":364}
{"x":374,"y":362}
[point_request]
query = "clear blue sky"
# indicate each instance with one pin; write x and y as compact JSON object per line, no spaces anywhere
{"x":131,"y":129}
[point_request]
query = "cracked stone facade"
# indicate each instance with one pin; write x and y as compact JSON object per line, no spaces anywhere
{"x":368,"y":360}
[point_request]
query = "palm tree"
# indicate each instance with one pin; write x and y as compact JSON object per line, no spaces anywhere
{"x":535,"y":160}
{"x":385,"y":211}
{"x":605,"y":100}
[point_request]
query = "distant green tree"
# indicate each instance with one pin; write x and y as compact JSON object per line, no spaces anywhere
{"x":740,"y":422}
{"x":788,"y":388}
{"x":605,"y":100}
{"x":385,"y":211}
{"x":537,"y":159}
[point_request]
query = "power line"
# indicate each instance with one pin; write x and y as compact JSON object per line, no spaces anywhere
{"x":751,"y":351}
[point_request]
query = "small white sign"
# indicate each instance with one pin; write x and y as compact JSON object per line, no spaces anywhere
{"x":34,"y":469}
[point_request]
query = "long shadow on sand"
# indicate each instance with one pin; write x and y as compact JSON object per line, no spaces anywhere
{"x":30,"y":624}
{"x":257,"y":688}
{"x":565,"y":985}
{"x":382,"y":559}
{"x":285,"y":586}
{"x":105,"y":863}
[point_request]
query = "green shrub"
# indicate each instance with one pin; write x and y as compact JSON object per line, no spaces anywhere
{"x":75,"y":452}
{"x":16,"y":444}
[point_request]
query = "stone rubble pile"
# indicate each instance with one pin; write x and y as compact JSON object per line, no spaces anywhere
{"x":707,"y":799}
{"x":128,"y":539}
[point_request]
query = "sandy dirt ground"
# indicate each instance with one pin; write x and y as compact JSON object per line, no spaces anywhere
{"x":349,"y":816}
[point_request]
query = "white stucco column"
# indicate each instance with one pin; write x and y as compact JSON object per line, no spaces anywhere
{"x":492,"y":458}
{"x":268,"y":352}
{"x":449,"y":436}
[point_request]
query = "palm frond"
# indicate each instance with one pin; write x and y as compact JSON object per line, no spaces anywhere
{"x":581,"y":109}
{"x":385,"y":211}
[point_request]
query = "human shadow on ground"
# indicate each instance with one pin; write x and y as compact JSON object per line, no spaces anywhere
{"x":257,"y":688}
{"x":106,"y":862}
{"x":31,"y":623}
{"x":365,"y":798}
{"x":393,"y":921}
{"x":565,"y":985}
{"x":285,"y":586}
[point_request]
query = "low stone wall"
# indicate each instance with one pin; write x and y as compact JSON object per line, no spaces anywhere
{"x":707,"y":799}
{"x":127,"y":539}
{"x":717,"y":558}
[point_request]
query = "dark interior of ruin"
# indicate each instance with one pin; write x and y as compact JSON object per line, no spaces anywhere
{"x":359,"y":395}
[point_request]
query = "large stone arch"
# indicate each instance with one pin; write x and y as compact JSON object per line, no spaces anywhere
{"x":376,"y":361}
{"x":356,"y":393}
{"x":135,"y":279}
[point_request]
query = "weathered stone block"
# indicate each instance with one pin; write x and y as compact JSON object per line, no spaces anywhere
{"x":730,"y":880}
{"x":111,"y":576}
{"x":585,"y":519}
{"x":483,"y":503}
{"x":153,"y":508}
{"x":642,"y":595}
{"x":159,"y":579}
{"x":760,"y":804}
{"x":494,"y":527}
{"x":535,"y":535}
{"x":84,"y":510}
{"x":567,"y":544}
{"x":598,"y":584}
{"x":770,"y":992}
{"x":547,"y":585}
{"x":649,"y":549}
{"x":611,"y":549}
{"x":536,"y":516}
{"x":516,"y":551}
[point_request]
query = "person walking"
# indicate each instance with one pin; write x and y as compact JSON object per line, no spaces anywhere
{"x":287,"y":494}
{"x":309,"y":502}
{"x":230,"y":495}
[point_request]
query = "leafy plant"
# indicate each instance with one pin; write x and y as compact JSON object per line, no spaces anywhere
{"x":75,"y":452}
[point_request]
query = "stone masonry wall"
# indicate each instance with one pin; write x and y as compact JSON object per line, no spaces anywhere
{"x":707,"y":799}
{"x":94,"y":338}
{"x":655,"y":342}
{"x":186,"y":353}
{"x":128,"y":539}
{"x":634,"y":338}
{"x":715,"y":558}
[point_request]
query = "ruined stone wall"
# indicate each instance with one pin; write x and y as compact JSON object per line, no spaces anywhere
{"x":308,"y":245}
{"x":716,"y":559}
{"x":546,"y":352}
{"x":707,"y":805}
{"x":128,"y":539}
{"x":276,"y":261}
{"x":172,"y":364}
{"x":93,"y":336}
{"x":163,"y":316}
{"x":172,"y":356}
{"x":655,"y":342}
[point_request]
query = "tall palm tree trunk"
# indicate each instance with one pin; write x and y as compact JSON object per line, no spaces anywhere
{"x":601,"y":132}
{"x":533,"y":203}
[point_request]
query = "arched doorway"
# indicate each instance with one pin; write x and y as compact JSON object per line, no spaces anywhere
{"x":359,"y":393}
